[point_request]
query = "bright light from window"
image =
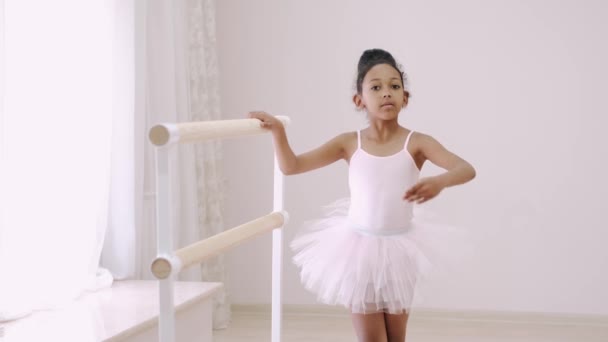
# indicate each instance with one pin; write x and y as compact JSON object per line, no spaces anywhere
{"x":56,"y":140}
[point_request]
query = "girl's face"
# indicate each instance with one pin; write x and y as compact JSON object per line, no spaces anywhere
{"x":382,"y":94}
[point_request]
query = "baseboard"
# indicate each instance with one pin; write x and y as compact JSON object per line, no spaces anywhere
{"x":290,"y":309}
{"x":537,"y":318}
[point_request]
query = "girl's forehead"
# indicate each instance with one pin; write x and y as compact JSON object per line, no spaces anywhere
{"x":382,"y":72}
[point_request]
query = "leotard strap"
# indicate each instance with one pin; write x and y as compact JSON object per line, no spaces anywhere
{"x":407,"y":140}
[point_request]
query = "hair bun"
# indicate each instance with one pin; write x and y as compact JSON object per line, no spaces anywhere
{"x":373,"y":57}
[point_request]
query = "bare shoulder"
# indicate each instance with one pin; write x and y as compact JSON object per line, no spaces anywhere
{"x":420,"y":139}
{"x":422,"y":143}
{"x":342,"y":140}
{"x":347,"y":138}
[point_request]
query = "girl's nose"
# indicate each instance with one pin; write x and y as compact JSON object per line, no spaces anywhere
{"x":387,"y":95}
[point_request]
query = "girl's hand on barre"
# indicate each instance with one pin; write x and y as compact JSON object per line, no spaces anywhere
{"x":266,"y":120}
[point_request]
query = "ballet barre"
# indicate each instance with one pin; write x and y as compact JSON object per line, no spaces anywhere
{"x":170,"y":262}
{"x":164,"y":266}
{"x":168,"y":133}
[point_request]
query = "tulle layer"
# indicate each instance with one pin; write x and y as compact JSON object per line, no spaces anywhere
{"x":363,"y":271}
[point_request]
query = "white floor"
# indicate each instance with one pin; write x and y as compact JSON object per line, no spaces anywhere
{"x":255,"y":327}
{"x":127,"y":309}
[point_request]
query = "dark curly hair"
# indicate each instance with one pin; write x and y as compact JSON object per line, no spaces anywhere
{"x":372,"y":57}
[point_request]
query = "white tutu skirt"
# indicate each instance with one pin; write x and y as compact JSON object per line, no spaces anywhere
{"x":365,"y":272}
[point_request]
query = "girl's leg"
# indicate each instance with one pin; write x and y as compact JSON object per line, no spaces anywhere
{"x":370,"y":327}
{"x":395,"y":326}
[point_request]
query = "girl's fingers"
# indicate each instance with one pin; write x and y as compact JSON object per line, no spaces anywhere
{"x":414,"y":198}
{"x":417,"y":193}
{"x":420,"y":193}
{"x":409,"y":194}
{"x":419,"y":196}
{"x":428,"y":198}
{"x":412,"y":194}
{"x":256,"y":115}
{"x":425,"y":199}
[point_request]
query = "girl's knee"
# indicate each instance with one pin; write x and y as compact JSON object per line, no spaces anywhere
{"x":378,"y":338}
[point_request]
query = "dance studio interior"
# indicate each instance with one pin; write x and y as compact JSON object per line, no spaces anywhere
{"x":290,"y":171}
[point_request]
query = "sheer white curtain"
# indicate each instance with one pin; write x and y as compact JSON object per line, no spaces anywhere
{"x":80,"y":84}
{"x":55,"y":151}
{"x":176,"y":81}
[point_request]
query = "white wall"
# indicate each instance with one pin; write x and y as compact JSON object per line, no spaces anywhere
{"x":516,"y":88}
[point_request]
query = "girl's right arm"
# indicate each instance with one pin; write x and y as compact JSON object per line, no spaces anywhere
{"x":289,"y":162}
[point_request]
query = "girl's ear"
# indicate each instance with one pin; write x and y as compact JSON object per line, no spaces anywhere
{"x":406,"y":98}
{"x":358,"y":101}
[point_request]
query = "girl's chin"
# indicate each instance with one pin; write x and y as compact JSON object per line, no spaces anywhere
{"x":384,"y":115}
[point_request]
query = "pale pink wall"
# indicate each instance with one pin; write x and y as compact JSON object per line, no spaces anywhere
{"x":517,"y":88}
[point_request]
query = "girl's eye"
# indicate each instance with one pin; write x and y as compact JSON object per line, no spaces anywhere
{"x":396,"y":86}
{"x":376,"y":88}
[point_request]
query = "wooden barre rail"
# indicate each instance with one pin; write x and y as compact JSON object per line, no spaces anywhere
{"x":163,"y":266}
{"x":164,"y":134}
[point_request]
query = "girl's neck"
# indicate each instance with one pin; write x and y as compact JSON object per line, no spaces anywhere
{"x":381,"y":130}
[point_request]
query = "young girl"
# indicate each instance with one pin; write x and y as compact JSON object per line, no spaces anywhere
{"x":368,"y":254}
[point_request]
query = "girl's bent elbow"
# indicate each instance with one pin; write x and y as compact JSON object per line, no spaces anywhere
{"x":288,"y":171}
{"x":289,"y":168}
{"x":473,"y":173}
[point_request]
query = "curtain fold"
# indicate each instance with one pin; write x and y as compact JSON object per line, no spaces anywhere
{"x":176,"y":81}
{"x":205,"y":105}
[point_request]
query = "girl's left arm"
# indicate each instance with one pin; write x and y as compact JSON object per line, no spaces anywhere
{"x":458,"y":170}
